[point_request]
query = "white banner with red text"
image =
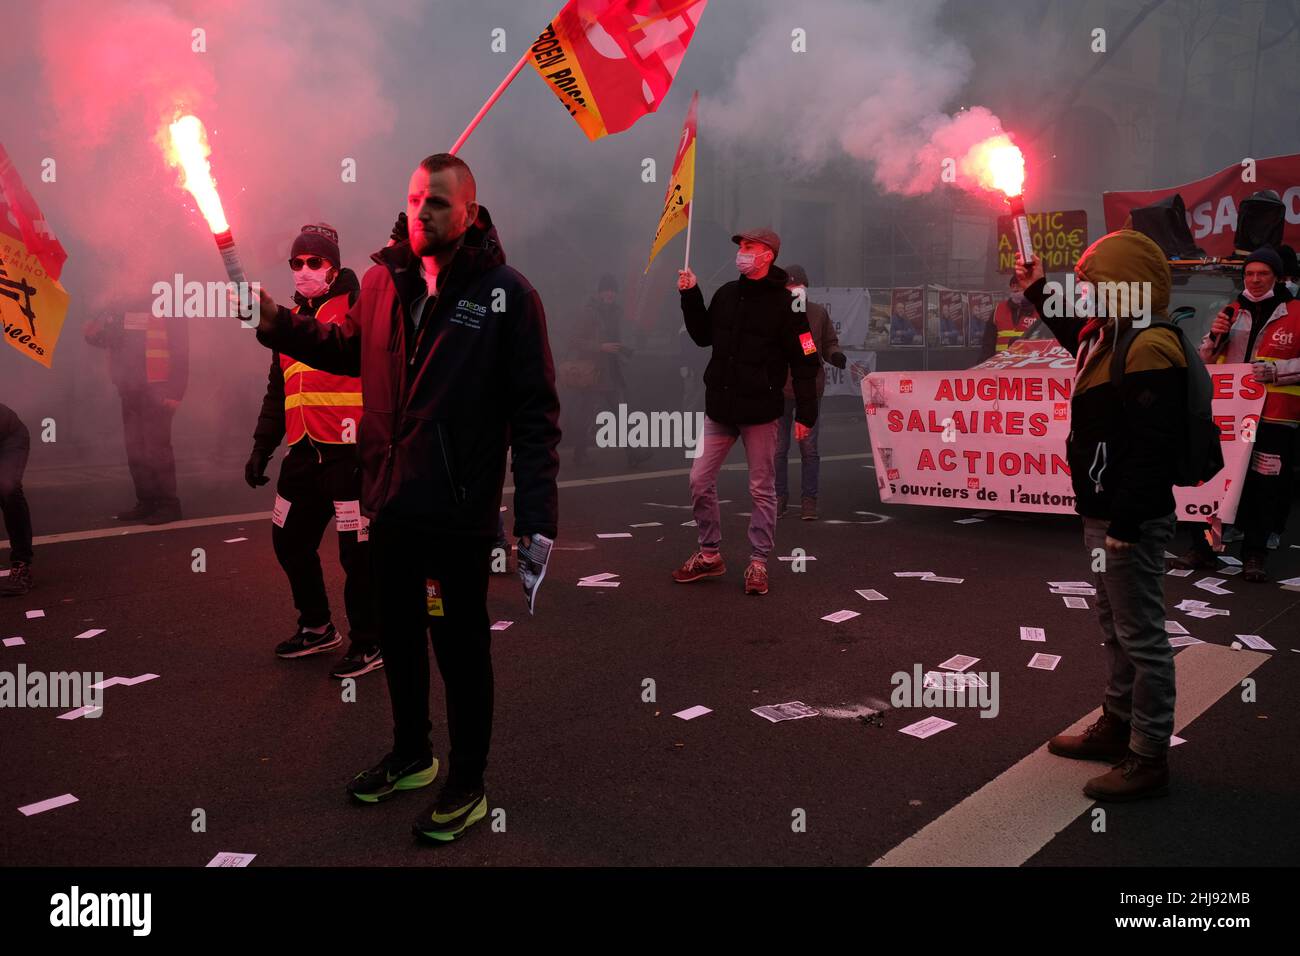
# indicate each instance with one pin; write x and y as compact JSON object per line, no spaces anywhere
{"x":994,"y":439}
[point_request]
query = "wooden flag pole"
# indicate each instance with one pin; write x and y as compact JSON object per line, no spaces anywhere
{"x":496,"y":95}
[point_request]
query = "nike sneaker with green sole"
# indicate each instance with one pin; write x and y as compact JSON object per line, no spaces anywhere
{"x":389,"y":776}
{"x":454,"y":812}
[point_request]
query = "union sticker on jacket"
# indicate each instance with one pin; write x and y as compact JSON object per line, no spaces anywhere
{"x":433,"y":597}
{"x":809,"y":346}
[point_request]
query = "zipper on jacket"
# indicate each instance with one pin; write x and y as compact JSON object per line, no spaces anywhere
{"x":457,"y":491}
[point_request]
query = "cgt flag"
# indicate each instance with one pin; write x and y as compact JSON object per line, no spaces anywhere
{"x":612,"y":61}
{"x":681,"y":188}
{"x":32,"y":302}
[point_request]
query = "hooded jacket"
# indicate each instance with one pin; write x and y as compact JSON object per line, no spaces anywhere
{"x":271,"y":421}
{"x":758,"y":338}
{"x":1123,"y":443}
{"x":440,"y":407}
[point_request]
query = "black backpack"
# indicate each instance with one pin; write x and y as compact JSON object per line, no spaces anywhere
{"x":1202,"y":453}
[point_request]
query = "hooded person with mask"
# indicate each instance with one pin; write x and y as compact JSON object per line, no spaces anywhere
{"x":320,"y":479}
{"x":1121,"y":449}
{"x":1262,"y":327}
{"x":759,"y":336}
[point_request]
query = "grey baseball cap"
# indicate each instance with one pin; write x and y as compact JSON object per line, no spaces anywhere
{"x":766,"y":236}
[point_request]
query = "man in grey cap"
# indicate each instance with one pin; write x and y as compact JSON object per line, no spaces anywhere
{"x":759,"y":336}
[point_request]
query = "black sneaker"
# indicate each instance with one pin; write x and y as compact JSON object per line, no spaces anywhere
{"x":391,"y":775}
{"x":361,"y":658}
{"x":305,"y":642}
{"x":165,"y":513}
{"x":142,"y":510}
{"x":454,"y":812}
{"x":19,"y":580}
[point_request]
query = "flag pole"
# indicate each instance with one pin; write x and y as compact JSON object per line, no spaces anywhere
{"x":496,"y":95}
{"x":690,"y":217}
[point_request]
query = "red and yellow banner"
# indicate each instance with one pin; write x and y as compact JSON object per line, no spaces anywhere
{"x":681,"y":187}
{"x":611,"y":62}
{"x":32,"y":302}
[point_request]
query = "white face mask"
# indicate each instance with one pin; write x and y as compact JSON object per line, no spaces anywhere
{"x":312,"y":283}
{"x":745,"y":262}
{"x":1258,"y":298}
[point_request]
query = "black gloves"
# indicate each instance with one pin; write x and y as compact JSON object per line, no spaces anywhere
{"x":400,"y":233}
{"x":255,"y":470}
{"x":839,"y":360}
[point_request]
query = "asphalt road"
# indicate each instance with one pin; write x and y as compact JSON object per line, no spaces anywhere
{"x":583,"y":769}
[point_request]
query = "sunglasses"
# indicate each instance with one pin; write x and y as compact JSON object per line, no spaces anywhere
{"x":311,"y":262}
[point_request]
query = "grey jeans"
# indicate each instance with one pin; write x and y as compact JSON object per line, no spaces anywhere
{"x":1131,"y":611}
{"x":760,"y":453}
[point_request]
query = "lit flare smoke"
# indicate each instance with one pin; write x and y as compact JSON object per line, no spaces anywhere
{"x":187,"y":149}
{"x":998,"y":164}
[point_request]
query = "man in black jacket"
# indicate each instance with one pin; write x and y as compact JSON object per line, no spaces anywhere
{"x":451,"y":346}
{"x":759,"y":337}
{"x":320,"y":477}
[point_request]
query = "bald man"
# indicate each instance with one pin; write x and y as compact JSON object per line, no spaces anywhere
{"x":451,"y":346}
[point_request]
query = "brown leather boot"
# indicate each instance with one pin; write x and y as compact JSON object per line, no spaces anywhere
{"x":1107,"y":739}
{"x":1134,"y":778}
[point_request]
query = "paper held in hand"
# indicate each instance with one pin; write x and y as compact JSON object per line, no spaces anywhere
{"x":533,"y":561}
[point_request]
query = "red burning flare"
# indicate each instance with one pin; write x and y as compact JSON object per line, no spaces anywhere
{"x":996,"y":164}
{"x":186,"y":148}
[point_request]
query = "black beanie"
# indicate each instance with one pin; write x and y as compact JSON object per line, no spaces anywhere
{"x":318,"y":239}
{"x":1267,"y":255}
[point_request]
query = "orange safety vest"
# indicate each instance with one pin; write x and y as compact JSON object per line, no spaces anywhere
{"x":1280,"y":339}
{"x":318,"y":403}
{"x":157,"y":353}
{"x":1009,"y":326}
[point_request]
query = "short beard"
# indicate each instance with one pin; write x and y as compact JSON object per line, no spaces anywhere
{"x":432,"y":249}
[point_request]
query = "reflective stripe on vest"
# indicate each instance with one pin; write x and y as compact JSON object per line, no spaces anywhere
{"x":157,"y":356}
{"x":318,"y":404}
{"x":1006,"y":324}
{"x":1280,"y":339}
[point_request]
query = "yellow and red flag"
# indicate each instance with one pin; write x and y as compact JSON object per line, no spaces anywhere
{"x":681,"y":187}
{"x":611,"y":62}
{"x":32,"y":302}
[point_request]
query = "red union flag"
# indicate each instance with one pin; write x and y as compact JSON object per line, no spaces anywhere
{"x":17,"y":203}
{"x":611,"y":62}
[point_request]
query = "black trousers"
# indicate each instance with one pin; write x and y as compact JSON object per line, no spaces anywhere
{"x":1265,"y":498}
{"x":147,"y":425}
{"x":409,"y":566}
{"x":13,"y":503}
{"x":312,"y":478}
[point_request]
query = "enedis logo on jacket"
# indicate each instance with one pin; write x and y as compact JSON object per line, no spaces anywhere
{"x":469,"y":314}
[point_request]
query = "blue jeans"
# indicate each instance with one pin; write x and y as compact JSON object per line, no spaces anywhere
{"x":1131,"y":610}
{"x":811,"y":462}
{"x":760,"y":444}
